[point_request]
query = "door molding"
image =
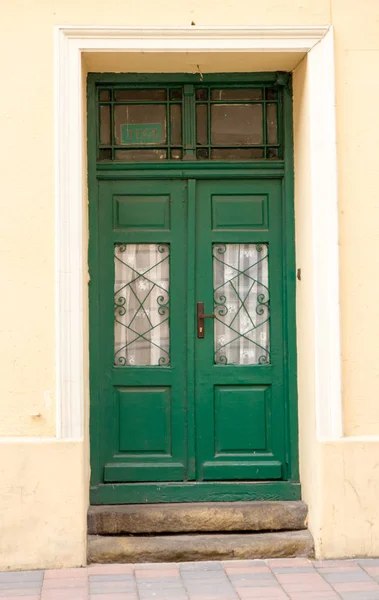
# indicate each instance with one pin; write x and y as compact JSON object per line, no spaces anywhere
{"x":70,"y":194}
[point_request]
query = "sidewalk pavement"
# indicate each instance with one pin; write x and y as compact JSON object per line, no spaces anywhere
{"x":275,"y":579}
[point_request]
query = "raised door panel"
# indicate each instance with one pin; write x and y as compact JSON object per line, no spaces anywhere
{"x":240,"y":406}
{"x":142,"y":299}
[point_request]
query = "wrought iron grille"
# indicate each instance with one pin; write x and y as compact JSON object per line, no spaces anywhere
{"x":241,"y":304}
{"x":141,"y":305}
{"x":189,"y":122}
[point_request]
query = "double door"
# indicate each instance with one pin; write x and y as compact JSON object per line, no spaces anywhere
{"x":187,"y":335}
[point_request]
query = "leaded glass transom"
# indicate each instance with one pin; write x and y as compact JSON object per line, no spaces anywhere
{"x":141,"y":305}
{"x":189,"y":122}
{"x":241,"y":304}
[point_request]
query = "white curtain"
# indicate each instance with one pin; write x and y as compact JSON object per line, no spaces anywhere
{"x":241,"y":296}
{"x":141,"y":295}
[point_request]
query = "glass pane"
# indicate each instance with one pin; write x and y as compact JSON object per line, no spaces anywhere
{"x":152,"y":95}
{"x":236,"y":153}
{"x":202,"y":153}
{"x":272,"y":153}
{"x":236,"y":124}
{"x":241,"y":304}
{"x":271,"y":94}
{"x":201,"y":124}
{"x":272,"y":124}
{"x":104,"y":95}
{"x":176,"y":94}
{"x":176,"y":153}
{"x":176,"y":124}
{"x":141,"y":155}
{"x":137,"y":124}
{"x":141,"y":304}
{"x":231,"y":94}
{"x":105,"y":125}
{"x":105,"y":154}
{"x":202,"y":94}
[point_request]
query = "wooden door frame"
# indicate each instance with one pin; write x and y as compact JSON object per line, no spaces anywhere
{"x":269,"y":169}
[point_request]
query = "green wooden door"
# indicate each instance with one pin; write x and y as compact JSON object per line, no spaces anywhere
{"x":240,"y":405}
{"x":181,"y":407}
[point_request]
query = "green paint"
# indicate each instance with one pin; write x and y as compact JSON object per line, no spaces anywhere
{"x":195,"y":431}
{"x":142,"y":133}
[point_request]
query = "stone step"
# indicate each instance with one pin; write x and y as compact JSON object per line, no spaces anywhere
{"x":197,"y":517}
{"x":179,"y":548}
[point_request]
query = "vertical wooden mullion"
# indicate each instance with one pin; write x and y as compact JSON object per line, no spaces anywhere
{"x":111,"y":91}
{"x":191,"y":331}
{"x":189,"y":122}
{"x":264,"y":117}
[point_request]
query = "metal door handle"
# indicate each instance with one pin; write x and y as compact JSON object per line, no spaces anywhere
{"x":200,"y":319}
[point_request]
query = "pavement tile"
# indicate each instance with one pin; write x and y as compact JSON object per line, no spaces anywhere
{"x":288,"y":562}
{"x":334,"y":563}
{"x":21,"y":576}
{"x":19,"y":585}
{"x":360,"y":595}
{"x":256,"y":562}
{"x":247,"y":569}
{"x":65,"y":573}
{"x":309,"y":569}
{"x":266,"y":593}
{"x":73,"y":582}
{"x":109,"y":569}
{"x":19,"y":593}
{"x":373,"y":571}
{"x":154,"y":573}
{"x":369,"y":562}
{"x":202,"y":566}
{"x":347,"y":576}
{"x":113,"y":597}
{"x":23,"y":597}
{"x":356,"y":586}
{"x":315,"y":596}
{"x":111,"y":577}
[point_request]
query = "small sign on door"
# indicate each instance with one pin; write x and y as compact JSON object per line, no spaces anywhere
{"x":141,"y":133}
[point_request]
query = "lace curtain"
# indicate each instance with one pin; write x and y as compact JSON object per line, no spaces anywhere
{"x":241,"y":296}
{"x":141,"y":295}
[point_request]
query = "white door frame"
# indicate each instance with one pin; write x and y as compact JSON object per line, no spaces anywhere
{"x":71,"y":253}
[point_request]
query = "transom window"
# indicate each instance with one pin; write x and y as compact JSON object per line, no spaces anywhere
{"x":189,"y":122}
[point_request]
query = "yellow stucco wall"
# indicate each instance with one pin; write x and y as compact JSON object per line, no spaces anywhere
{"x":46,"y":482}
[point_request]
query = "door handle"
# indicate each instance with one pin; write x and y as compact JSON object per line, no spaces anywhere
{"x":200,"y":319}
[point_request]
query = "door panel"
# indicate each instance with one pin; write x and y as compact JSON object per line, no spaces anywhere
{"x":174,"y":406}
{"x":240,"y":409}
{"x":142,"y":296}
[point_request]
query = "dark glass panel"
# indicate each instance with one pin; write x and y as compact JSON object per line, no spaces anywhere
{"x":176,"y":153}
{"x":104,"y":95}
{"x":140,"y":155}
{"x":202,"y":94}
{"x":176,"y":124}
{"x":272,"y":153}
{"x":176,"y":94}
{"x":202,"y":153}
{"x":105,"y":154}
{"x":236,"y":124}
{"x":201,"y":124}
{"x":105,"y":125}
{"x":233,"y":94}
{"x":236,"y":153}
{"x":153,"y":95}
{"x":271,"y":94}
{"x":143,"y":124}
{"x":272,"y":124}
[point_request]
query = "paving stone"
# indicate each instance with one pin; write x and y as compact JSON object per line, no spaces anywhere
{"x":65,"y":573}
{"x":21,"y":576}
{"x":111,"y":577}
{"x":358,"y":575}
{"x":360,"y":595}
{"x":356,"y":586}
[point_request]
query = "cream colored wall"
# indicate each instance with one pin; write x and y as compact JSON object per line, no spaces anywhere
{"x":44,"y":484}
{"x":43,"y":504}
